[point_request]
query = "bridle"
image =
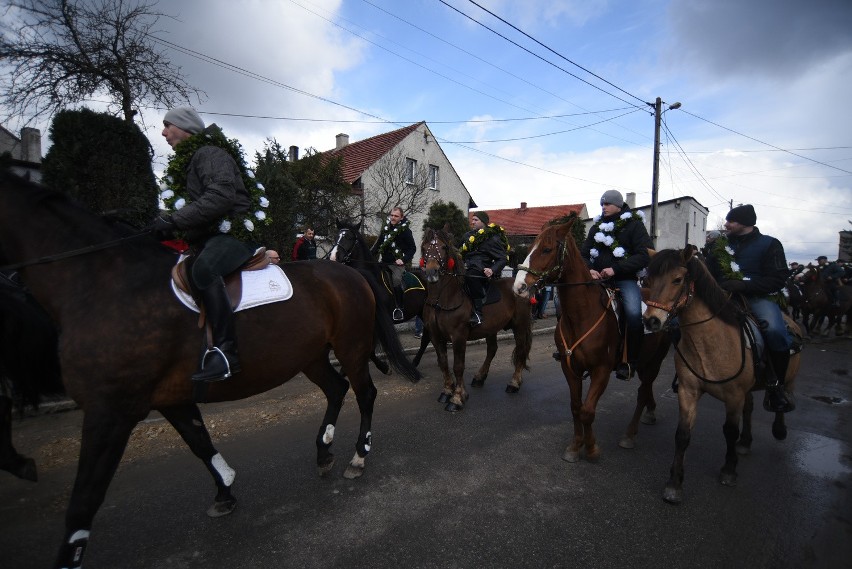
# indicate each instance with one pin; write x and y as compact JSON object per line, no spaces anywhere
{"x":446,"y":266}
{"x":684,"y":297}
{"x":347,"y":256}
{"x":550,"y":275}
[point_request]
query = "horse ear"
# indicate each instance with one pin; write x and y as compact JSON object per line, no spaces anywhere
{"x":651,"y":252}
{"x":686,"y":254}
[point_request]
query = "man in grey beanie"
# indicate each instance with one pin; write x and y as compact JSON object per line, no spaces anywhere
{"x":214,"y":194}
{"x":615,"y":250}
{"x":761,"y":272}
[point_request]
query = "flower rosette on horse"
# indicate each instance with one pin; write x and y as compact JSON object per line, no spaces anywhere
{"x":174,"y":194}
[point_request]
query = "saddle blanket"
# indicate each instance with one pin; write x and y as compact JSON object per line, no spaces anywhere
{"x":259,"y":287}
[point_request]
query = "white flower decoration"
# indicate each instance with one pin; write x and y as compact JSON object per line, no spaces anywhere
{"x":180,"y":203}
{"x":618,"y":251}
{"x":248,"y":224}
{"x":641,"y":214}
{"x":609,"y":226}
{"x":596,"y":218}
{"x":600,"y":237}
{"x":167,"y":193}
{"x":264,"y":202}
{"x":593,"y":253}
{"x":734,"y":266}
{"x":260,"y":187}
{"x":225,"y":226}
{"x":260,"y":215}
{"x":250,"y":174}
{"x":627,"y":215}
{"x":729,"y":250}
{"x":608,"y":240}
{"x":161,"y":205}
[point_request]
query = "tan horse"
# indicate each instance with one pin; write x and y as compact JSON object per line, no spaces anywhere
{"x":587,"y":335}
{"x":713,"y":356}
{"x":446,"y":316}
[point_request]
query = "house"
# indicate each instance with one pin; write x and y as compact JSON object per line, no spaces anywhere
{"x":371,"y":167}
{"x":680,"y":222}
{"x":25,"y":152}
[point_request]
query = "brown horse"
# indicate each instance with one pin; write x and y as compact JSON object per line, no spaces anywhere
{"x":446,"y":317}
{"x":127,"y":346}
{"x":587,"y":335}
{"x":713,"y":356}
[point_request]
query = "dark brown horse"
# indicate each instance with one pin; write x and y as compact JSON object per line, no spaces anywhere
{"x":587,"y":335}
{"x":127,"y":346}
{"x":447,"y":313}
{"x":713,"y":356}
{"x":351,"y":249}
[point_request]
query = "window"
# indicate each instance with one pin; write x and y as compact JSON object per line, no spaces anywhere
{"x":410,"y":168}
{"x":433,"y":177}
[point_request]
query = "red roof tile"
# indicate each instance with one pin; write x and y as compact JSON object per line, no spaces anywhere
{"x":358,"y":156}
{"x":530,"y":220}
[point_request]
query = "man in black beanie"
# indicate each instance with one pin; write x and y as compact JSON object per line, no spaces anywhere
{"x":485,"y":251}
{"x":760,"y":271}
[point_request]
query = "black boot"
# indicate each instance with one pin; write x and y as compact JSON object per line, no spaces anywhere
{"x":626,"y":370}
{"x":221,"y":361}
{"x":398,"y":313}
{"x":476,"y":313}
{"x":776,"y":399}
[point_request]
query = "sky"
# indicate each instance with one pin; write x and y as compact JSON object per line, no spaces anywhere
{"x":551,"y":101}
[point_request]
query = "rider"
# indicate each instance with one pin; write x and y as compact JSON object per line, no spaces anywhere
{"x":214,"y":192}
{"x":395,"y":247}
{"x":761,"y":271}
{"x":485,"y":250}
{"x":616,"y":249}
{"x":831,"y":273}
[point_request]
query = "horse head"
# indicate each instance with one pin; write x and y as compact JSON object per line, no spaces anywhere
{"x":438,"y":256}
{"x":346,"y":241}
{"x":546,"y":259}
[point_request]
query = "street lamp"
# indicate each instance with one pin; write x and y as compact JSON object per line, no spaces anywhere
{"x":655,"y":184}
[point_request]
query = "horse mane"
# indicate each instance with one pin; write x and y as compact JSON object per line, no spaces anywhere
{"x":706,"y":288}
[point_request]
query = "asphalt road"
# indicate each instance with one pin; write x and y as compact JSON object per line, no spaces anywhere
{"x":482,"y":488}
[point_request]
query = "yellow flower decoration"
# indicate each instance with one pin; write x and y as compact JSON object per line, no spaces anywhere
{"x":471,"y":238}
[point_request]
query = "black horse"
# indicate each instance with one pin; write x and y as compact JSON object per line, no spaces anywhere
{"x":351,"y":249}
{"x":127,"y":346}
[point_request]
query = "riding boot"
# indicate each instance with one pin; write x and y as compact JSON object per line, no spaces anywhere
{"x":626,"y":370}
{"x":398,"y":313}
{"x":476,"y":313}
{"x":776,"y":398}
{"x":219,"y":361}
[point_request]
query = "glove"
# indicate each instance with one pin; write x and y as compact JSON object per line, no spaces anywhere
{"x":163,"y":227}
{"x":734,"y":285}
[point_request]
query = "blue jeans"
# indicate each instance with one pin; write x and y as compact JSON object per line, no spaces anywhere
{"x":418,"y":325}
{"x":768,"y":316}
{"x":631,"y":296}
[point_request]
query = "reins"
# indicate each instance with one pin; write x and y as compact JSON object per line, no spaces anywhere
{"x":569,"y":351}
{"x":74,"y":252}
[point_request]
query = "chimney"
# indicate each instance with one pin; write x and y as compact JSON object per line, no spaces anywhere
{"x":31,"y":145}
{"x":631,"y":199}
{"x":523,"y":206}
{"x":342,"y":140}
{"x":294,"y":154}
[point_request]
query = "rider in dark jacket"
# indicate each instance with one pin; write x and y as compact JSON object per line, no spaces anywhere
{"x":485,"y":254}
{"x":395,"y":248}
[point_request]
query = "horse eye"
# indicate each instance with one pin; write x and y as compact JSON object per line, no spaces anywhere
{"x":678,"y":280}
{"x":547,"y":249}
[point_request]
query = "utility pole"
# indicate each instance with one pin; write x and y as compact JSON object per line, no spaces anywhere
{"x":655,"y":184}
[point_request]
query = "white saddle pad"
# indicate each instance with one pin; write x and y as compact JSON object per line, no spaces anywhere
{"x":259,"y":287}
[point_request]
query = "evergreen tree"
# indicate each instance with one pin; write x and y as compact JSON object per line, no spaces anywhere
{"x":441,"y":214}
{"x":104,"y":163}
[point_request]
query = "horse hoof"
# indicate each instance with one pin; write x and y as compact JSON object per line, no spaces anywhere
{"x":571,"y":455}
{"x":453,"y":408}
{"x":673,"y":495}
{"x":352,"y":472}
{"x":512,"y":389}
{"x":28,"y":470}
{"x":728,"y":479}
{"x":594,"y":457}
{"x":219,"y":509}
{"x":743,"y":450}
{"x":780,"y":433}
{"x":649,"y":418}
{"x":627,"y":442}
{"x":477,"y":382}
{"x":325,"y":468}
{"x":443,"y":397}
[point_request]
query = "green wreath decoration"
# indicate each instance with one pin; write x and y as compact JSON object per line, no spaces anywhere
{"x":724,"y":255}
{"x":474,"y":241}
{"x":604,"y":233}
{"x":174,"y":195}
{"x":391,"y":232}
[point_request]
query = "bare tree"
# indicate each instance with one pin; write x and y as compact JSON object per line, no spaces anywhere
{"x":396,"y":182}
{"x":61,"y":52}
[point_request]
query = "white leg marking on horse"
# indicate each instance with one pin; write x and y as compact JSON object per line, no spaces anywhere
{"x":328,"y":437}
{"x":357,"y":461}
{"x":78,"y":535}
{"x":368,"y":444}
{"x":226,"y":472}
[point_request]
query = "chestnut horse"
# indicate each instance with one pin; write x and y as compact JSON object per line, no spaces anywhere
{"x":127,"y":346}
{"x":447,"y":313}
{"x":587,"y":335}
{"x":351,"y":249}
{"x":713,"y":356}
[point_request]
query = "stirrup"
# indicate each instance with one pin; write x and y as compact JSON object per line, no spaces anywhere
{"x":620,"y":371}
{"x":475,"y":320}
{"x":214,"y":376}
{"x":398,"y":315}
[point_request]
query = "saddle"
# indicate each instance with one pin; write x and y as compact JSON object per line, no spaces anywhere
{"x":233,"y":281}
{"x":409,"y":281}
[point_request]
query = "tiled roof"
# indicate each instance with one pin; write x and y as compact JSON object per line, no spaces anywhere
{"x":358,"y":156}
{"x":530,"y":220}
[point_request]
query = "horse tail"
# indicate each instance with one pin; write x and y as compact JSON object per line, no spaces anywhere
{"x":385,"y":332}
{"x":523,"y":341}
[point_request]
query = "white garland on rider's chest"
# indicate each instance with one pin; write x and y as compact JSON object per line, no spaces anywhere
{"x":391,"y":233}
{"x":605,"y":234}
